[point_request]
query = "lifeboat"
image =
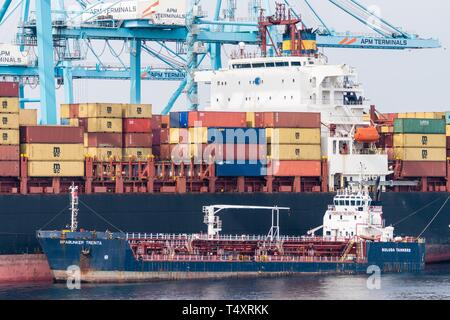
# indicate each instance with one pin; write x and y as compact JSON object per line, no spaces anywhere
{"x":367,"y":135}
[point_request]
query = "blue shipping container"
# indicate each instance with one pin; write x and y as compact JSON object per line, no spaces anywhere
{"x":174,"y":119}
{"x":447,"y":117}
{"x":238,"y":169}
{"x":237,"y":135}
{"x":179,"y":119}
{"x":183,"y":121}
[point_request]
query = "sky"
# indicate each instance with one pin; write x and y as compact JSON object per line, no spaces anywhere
{"x":395,"y":81}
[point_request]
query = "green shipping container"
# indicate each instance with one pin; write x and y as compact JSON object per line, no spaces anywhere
{"x":426,"y":126}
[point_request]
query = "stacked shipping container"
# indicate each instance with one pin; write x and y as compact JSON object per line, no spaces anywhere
{"x":421,"y":145}
{"x":137,"y":131}
{"x":53,"y":151}
{"x":447,"y":133}
{"x":113,"y":131}
{"x":9,"y":130}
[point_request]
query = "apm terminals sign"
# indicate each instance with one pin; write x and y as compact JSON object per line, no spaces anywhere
{"x":373,"y":42}
{"x":161,"y":12}
{"x":11,"y":56}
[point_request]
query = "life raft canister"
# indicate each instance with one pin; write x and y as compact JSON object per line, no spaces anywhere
{"x":367,"y":134}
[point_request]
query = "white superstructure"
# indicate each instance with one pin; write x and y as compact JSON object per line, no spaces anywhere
{"x":304,"y":84}
{"x":353,"y":215}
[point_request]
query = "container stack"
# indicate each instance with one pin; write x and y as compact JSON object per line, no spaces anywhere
{"x":102,"y":127}
{"x":293,"y":142}
{"x":9,"y":129}
{"x":137,"y":132}
{"x":421,"y":146}
{"x":447,"y":133}
{"x":53,"y":151}
{"x":192,"y":134}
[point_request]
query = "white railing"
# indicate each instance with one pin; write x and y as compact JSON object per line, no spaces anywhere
{"x":224,"y":258}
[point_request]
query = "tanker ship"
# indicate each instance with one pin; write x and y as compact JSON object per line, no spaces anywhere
{"x":354,"y":239}
{"x":287,"y":129}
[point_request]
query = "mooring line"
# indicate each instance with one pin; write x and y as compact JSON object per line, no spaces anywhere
{"x":435,"y":216}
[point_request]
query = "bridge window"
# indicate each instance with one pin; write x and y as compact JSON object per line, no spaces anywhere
{"x":347,"y":203}
{"x":282,"y":64}
{"x":296,"y":63}
{"x":258,"y":65}
{"x":270,"y":64}
{"x":352,"y":203}
{"x":341,"y":217}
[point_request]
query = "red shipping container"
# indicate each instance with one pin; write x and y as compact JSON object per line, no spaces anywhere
{"x":137,"y":125}
{"x":133,"y":140}
{"x":165,"y":152}
{"x":83,"y":123}
{"x":165,"y":120}
{"x":51,"y":134}
{"x":9,"y":169}
{"x":295,"y":168}
{"x":156,"y":121}
{"x":448,"y":142}
{"x":9,"y":89}
{"x":104,"y":139}
{"x":217,"y":119}
{"x":8,"y":153}
{"x":448,"y":153}
{"x":165,"y":135}
{"x":74,"y":110}
{"x":287,"y":120}
{"x":424,"y":168}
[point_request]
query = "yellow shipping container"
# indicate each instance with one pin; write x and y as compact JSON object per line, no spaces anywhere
{"x":420,"y":154}
{"x":9,"y":105}
{"x":104,"y":125}
{"x":56,"y":168}
{"x":250,"y":116}
{"x":100,"y":110}
{"x":9,"y":121}
{"x":27,"y":117}
{"x":9,"y":136}
{"x":294,"y":152}
{"x":74,"y":122}
{"x":104,"y":153}
{"x":421,"y":115}
{"x":137,"y":110}
{"x":420,"y":140}
{"x":387,"y":129}
{"x":293,"y":136}
{"x":137,"y":153}
{"x":64,"y":111}
{"x":448,"y":130}
{"x":198,"y":135}
{"x":178,"y":135}
{"x":49,"y":152}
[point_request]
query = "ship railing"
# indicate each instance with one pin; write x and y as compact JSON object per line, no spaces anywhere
{"x":159,"y":236}
{"x":239,"y":258}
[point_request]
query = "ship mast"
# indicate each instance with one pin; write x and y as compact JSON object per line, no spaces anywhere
{"x":73,"y":207}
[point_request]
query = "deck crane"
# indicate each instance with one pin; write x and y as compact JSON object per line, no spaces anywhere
{"x":53,"y":28}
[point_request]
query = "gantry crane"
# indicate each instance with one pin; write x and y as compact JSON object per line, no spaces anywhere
{"x":57,"y":31}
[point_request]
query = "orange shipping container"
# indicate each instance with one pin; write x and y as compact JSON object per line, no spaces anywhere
{"x":295,"y":168}
{"x":217,"y":119}
{"x":287,"y":120}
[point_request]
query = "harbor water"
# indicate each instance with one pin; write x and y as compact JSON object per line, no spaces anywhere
{"x":432,"y":284}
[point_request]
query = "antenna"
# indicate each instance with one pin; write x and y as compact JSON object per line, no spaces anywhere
{"x":73,"y":207}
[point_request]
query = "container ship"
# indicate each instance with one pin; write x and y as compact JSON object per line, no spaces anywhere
{"x":288,"y":129}
{"x":354,"y":239}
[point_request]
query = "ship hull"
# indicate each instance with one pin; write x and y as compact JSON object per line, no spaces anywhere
{"x":103,"y":258}
{"x":21,"y":216}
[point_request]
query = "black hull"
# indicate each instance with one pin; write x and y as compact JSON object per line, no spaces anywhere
{"x":21,"y":216}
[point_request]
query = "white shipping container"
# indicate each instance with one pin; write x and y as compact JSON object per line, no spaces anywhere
{"x":165,"y":12}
